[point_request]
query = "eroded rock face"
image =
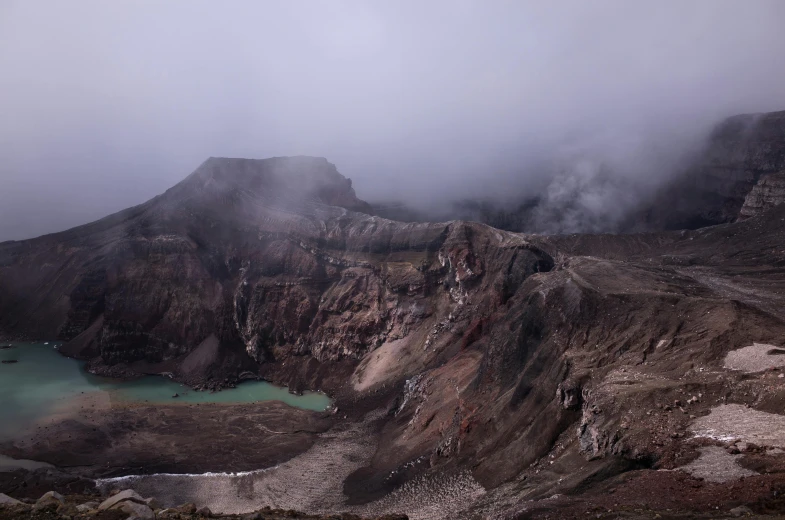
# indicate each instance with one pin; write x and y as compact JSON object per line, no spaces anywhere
{"x":740,"y":151}
{"x":767,"y":193}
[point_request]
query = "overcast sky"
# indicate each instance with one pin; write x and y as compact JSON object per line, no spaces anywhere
{"x":104,"y":104}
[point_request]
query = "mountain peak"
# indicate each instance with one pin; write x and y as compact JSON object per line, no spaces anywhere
{"x":277,"y":180}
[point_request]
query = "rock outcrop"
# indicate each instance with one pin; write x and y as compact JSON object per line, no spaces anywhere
{"x":740,"y":151}
{"x":6,"y":501}
{"x":767,"y":193}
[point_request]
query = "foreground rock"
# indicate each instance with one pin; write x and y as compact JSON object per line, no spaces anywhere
{"x":5,"y":500}
{"x":129,"y":495}
{"x":129,"y":505}
{"x":135,"y":510}
{"x":50,"y":500}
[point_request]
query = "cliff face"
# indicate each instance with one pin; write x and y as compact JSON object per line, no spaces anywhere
{"x":767,"y":193}
{"x":740,"y":151}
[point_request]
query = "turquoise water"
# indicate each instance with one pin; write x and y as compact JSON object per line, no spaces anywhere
{"x":43,"y":379}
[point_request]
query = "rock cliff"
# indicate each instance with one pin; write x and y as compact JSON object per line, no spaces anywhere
{"x":739,"y":151}
{"x":767,"y":193}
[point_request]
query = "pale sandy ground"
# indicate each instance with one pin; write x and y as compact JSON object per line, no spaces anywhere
{"x":311,"y":482}
{"x":378,"y":365}
{"x":734,"y":421}
{"x":715,"y":464}
{"x":755,"y":358}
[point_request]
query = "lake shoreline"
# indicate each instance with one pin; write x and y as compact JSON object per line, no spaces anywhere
{"x":96,"y":427}
{"x":43,"y":379}
{"x":98,"y":438}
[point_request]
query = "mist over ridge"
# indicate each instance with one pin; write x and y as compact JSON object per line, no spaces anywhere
{"x":106,"y":105}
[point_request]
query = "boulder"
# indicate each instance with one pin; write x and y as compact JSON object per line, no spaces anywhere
{"x":5,"y":500}
{"x":135,"y":510}
{"x":205,"y":512}
{"x":67,"y":510}
{"x":122,"y":496}
{"x":740,"y":511}
{"x":49,"y":500}
{"x":569,"y":394}
{"x":87,"y":506}
{"x":153,"y":503}
{"x":187,"y":509}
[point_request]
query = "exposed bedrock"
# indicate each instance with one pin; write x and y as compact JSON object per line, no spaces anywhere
{"x":740,"y":151}
{"x":767,"y":193}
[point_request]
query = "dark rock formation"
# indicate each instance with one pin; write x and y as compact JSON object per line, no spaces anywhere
{"x":739,"y":152}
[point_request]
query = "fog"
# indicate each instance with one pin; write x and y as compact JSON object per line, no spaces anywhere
{"x":106,"y":104}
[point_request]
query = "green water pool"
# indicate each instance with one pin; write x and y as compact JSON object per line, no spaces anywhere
{"x":43,"y":379}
